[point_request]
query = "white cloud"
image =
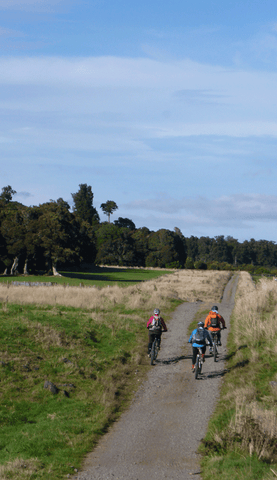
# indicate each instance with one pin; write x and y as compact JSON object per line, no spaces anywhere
{"x":198,"y":99}
{"x":225,"y":210}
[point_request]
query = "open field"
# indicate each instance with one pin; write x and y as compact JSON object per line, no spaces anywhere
{"x":185,"y":285}
{"x":241,"y":442}
{"x":98,"y":276}
{"x":90,"y":343}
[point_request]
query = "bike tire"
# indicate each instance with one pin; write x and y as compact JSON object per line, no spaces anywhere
{"x":200,"y":367}
{"x":152,"y":356}
{"x":196,"y":371}
{"x":215,"y":352}
{"x":156,"y":350}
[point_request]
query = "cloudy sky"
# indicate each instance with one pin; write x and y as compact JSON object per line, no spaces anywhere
{"x":167,"y":108}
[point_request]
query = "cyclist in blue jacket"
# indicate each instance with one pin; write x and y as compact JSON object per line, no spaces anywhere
{"x":198,"y":339}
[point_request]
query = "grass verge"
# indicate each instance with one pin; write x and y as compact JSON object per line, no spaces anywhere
{"x":93,"y":362}
{"x":241,"y":441}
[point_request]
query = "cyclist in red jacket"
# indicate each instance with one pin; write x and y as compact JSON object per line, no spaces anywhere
{"x":155,"y":324}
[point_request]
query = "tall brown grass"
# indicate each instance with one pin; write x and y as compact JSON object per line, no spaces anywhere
{"x":254,"y":334}
{"x":187,"y":285}
{"x":255,"y":310}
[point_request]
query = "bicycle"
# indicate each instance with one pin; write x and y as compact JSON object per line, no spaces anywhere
{"x":155,"y":348}
{"x":198,"y":363}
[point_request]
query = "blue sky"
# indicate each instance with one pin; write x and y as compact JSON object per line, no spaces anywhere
{"x":167,"y":108}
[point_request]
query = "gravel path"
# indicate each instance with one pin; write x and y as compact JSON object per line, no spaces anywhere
{"x":159,"y":435}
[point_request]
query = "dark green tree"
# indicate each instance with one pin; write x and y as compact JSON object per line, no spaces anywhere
{"x":108,"y":208}
{"x":83,"y":205}
{"x":6,"y":195}
{"x":58,"y":235}
{"x":13,"y":231}
{"x":115,"y":246}
{"x":125,"y":223}
{"x":165,"y":249}
{"x":141,"y":237}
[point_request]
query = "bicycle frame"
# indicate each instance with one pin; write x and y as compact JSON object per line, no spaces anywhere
{"x":154,"y":349}
{"x":198,"y":363}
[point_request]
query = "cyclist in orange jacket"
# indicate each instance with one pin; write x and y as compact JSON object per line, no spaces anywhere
{"x":215,"y":322}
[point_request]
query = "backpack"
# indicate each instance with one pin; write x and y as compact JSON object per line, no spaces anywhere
{"x":199,"y":336}
{"x":215,"y":321}
{"x":156,"y":327}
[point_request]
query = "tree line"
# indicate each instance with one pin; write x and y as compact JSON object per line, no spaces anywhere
{"x":50,"y":236}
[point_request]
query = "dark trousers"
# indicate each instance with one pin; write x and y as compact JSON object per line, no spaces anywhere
{"x":195,"y":351}
{"x":151,"y":338}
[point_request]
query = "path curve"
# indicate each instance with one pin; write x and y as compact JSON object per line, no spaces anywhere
{"x":159,"y":435}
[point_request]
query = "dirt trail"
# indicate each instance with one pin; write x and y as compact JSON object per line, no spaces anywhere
{"x":159,"y":435}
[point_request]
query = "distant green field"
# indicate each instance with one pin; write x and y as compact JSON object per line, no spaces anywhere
{"x":100,"y":277}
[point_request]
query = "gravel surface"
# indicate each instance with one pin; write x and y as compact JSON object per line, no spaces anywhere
{"x":159,"y":435}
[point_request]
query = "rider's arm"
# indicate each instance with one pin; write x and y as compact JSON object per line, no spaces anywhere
{"x":149,"y":323}
{"x":222,"y":321}
{"x":190,"y":338}
{"x":163,"y":324}
{"x":207,"y":322}
{"x":209,"y":337}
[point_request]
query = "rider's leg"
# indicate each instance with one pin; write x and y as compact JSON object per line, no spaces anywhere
{"x":159,"y":341}
{"x":219,"y":337}
{"x":150,"y":341}
{"x":194,"y":354}
{"x":203,"y":352}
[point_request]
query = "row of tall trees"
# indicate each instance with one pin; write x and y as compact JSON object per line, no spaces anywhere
{"x":53,"y":236}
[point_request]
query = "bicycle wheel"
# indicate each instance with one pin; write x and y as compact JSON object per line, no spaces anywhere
{"x":196,"y":371}
{"x":200,"y":366}
{"x":215,"y":351}
{"x":152,"y":357}
{"x":156,"y":349}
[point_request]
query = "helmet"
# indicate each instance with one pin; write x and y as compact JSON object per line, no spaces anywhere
{"x":156,"y":311}
{"x":200,"y":324}
{"x":215,"y":309}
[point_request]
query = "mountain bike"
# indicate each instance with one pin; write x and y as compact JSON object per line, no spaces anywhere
{"x":155,"y":348}
{"x":198,"y":363}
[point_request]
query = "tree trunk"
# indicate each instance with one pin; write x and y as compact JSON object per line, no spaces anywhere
{"x":25,"y":271}
{"x":55,"y":272}
{"x":5,"y":272}
{"x":14,"y":268}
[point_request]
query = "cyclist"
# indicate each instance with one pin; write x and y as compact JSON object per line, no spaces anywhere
{"x":154,"y":324}
{"x":198,"y":339}
{"x":215,"y":322}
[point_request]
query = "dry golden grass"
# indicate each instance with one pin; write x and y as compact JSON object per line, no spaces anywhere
{"x":252,"y":304}
{"x":19,"y":469}
{"x":256,"y":426}
{"x":254,"y":332}
{"x":187,"y":285}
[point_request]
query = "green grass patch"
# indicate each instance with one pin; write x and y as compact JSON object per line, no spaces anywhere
{"x":100,"y":277}
{"x":96,"y":361}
